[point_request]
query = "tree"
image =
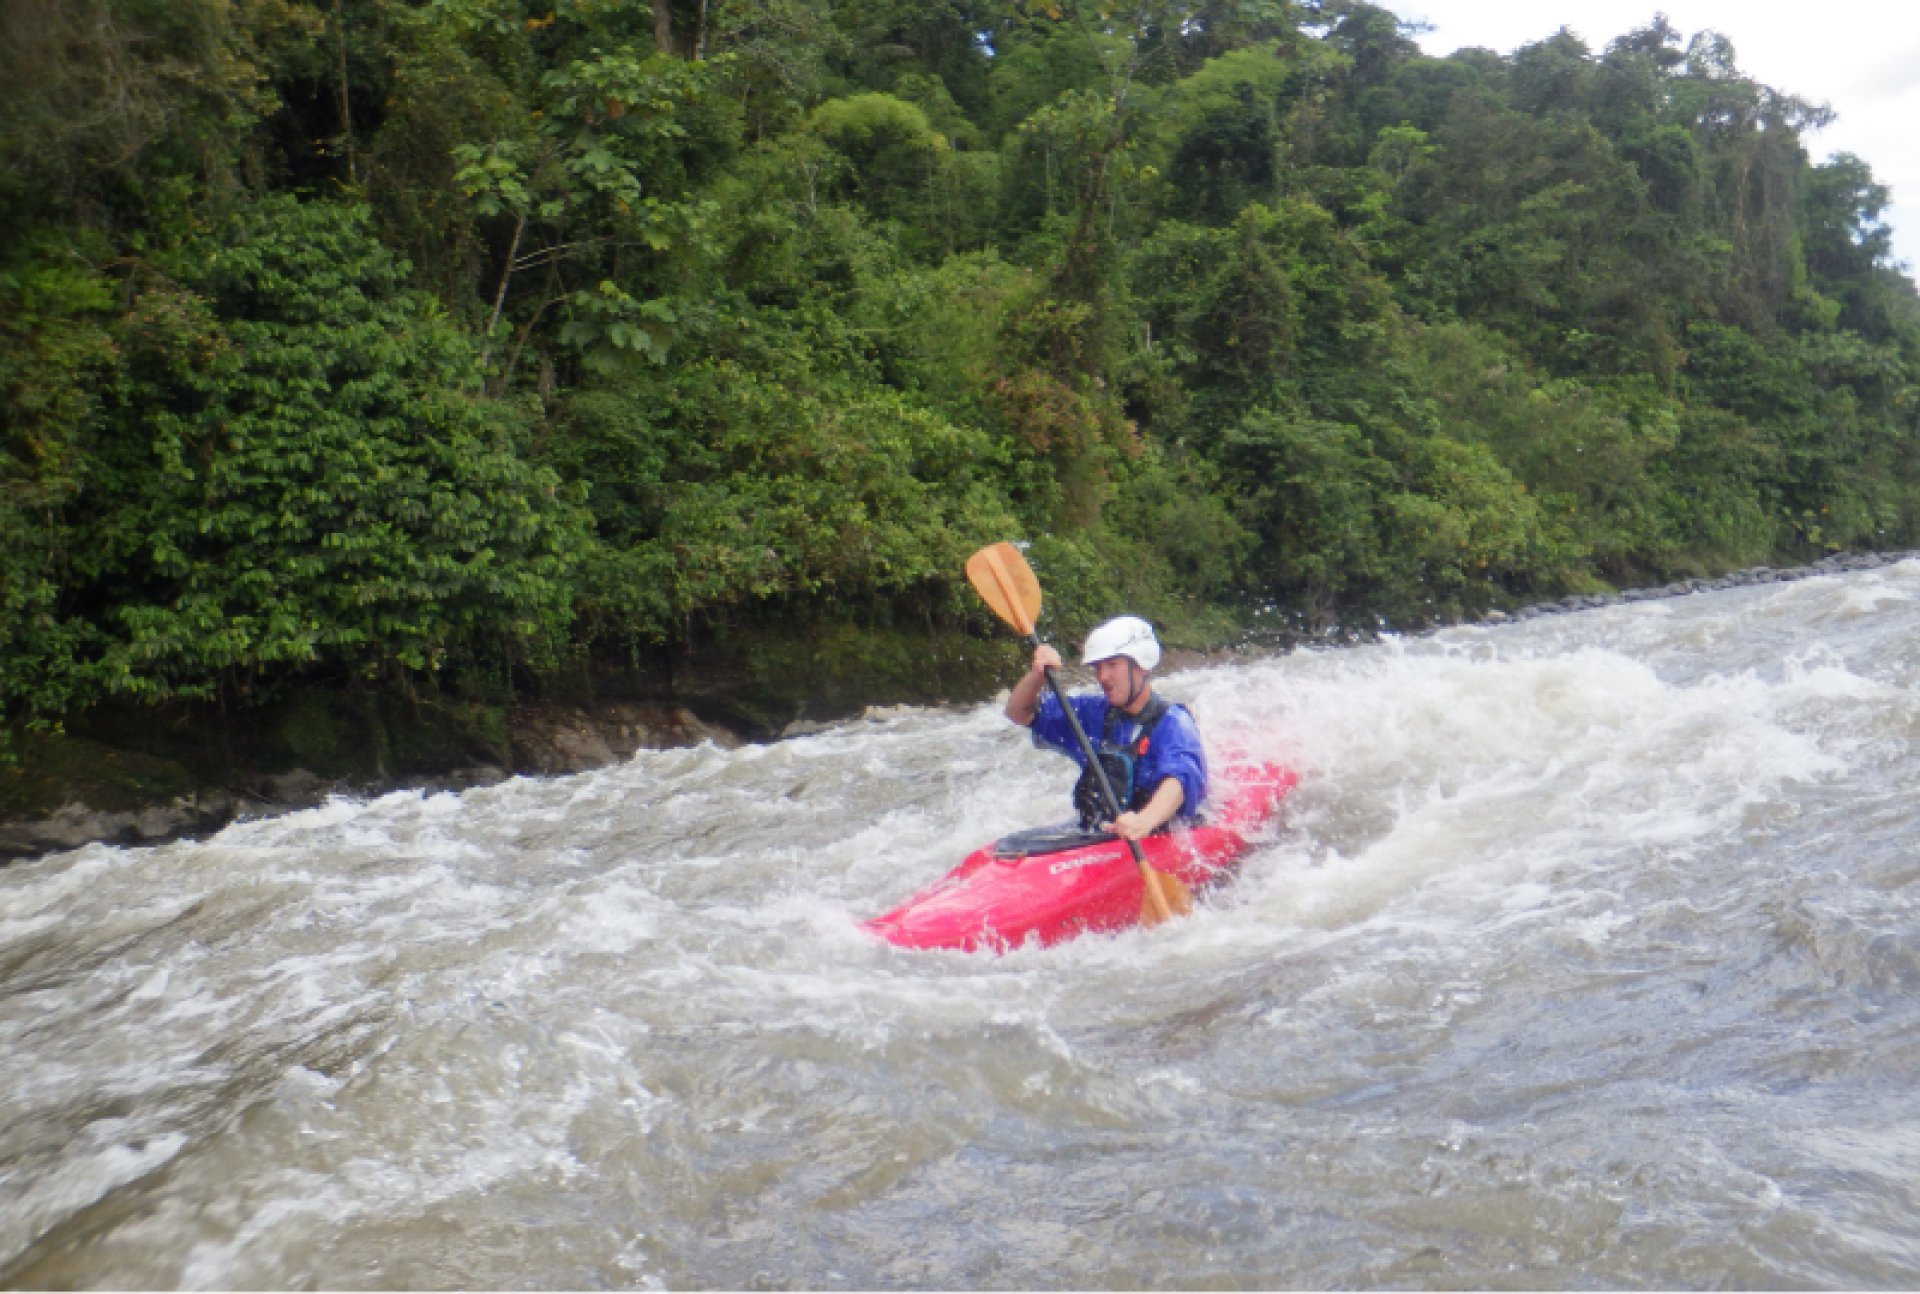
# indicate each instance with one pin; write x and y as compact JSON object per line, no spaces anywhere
{"x":297,"y":474}
{"x":572,"y":192}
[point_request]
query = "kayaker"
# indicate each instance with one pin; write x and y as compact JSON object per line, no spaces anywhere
{"x":1151,"y":748}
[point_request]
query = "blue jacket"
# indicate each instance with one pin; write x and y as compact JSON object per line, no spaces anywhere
{"x":1173,"y":749}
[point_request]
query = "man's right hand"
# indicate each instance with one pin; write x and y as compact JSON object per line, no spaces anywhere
{"x":1023,"y":702}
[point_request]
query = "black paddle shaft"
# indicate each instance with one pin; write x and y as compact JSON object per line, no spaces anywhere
{"x":1086,"y":748}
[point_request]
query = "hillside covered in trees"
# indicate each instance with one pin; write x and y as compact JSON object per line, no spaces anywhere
{"x":471,"y":348}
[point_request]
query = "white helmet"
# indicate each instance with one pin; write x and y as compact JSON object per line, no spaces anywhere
{"x":1128,"y":636}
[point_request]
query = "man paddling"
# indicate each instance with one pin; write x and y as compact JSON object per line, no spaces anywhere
{"x":1150,"y":748}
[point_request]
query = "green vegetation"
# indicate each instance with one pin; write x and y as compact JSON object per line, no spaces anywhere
{"x":461,"y":349}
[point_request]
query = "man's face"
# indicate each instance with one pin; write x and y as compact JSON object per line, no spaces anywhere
{"x":1115,"y":675}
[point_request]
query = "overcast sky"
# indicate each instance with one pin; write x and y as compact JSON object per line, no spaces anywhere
{"x":1861,"y":58}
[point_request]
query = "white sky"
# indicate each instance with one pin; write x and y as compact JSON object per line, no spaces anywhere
{"x":1862,"y":59}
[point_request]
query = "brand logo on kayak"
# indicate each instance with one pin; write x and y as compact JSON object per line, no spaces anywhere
{"x":1069,"y":864}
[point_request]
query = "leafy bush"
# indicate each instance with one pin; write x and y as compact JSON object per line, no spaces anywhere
{"x":800,"y":485}
{"x":297,"y":473}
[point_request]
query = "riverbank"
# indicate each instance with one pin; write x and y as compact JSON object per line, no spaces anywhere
{"x":143,"y":778}
{"x":135,"y":775}
{"x":78,"y":790}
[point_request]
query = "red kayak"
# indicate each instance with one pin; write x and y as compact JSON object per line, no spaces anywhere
{"x":1053,"y":883}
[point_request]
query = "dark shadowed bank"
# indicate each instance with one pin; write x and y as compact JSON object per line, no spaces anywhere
{"x":142,"y":777}
{"x":143,"y":773}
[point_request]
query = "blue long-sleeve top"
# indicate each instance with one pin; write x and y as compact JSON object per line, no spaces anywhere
{"x":1173,"y":748}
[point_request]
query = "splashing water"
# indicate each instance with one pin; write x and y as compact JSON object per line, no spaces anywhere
{"x":1589,"y":955}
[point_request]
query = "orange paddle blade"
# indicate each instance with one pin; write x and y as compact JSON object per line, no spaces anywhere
{"x":1007,"y":584}
{"x":1165,"y":897}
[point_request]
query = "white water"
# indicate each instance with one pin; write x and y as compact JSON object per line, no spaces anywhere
{"x":1589,"y":957}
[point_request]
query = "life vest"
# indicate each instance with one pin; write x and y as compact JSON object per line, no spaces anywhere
{"x":1120,"y":760}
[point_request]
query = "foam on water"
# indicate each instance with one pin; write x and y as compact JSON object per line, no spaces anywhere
{"x":1562,"y":913}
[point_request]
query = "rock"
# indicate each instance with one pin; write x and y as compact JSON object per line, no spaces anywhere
{"x":75,"y":824}
{"x":461,"y":779}
{"x":572,"y":739}
{"x":573,"y":748}
{"x":299,"y":787}
{"x":803,"y":728}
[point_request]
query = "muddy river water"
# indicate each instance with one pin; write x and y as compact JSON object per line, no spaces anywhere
{"x":1589,"y":955}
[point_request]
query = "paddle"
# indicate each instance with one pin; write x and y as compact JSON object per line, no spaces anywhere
{"x":1007,"y":585}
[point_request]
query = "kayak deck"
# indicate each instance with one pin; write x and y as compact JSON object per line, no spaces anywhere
{"x":1054,"y":883}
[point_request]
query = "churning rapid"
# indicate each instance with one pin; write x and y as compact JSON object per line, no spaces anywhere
{"x":1589,"y":956}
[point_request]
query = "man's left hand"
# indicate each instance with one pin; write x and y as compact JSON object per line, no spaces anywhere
{"x":1137,"y":824}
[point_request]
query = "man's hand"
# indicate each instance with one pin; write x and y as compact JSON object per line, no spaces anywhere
{"x":1144,"y":821}
{"x":1023,"y":702}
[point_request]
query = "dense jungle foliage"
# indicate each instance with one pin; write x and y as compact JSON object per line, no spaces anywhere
{"x":460,"y":344}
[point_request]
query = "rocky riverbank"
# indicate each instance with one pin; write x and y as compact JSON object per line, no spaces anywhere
{"x":1837,"y":564}
{"x":119,"y":795}
{"x":101,"y":783}
{"x":133,"y":775}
